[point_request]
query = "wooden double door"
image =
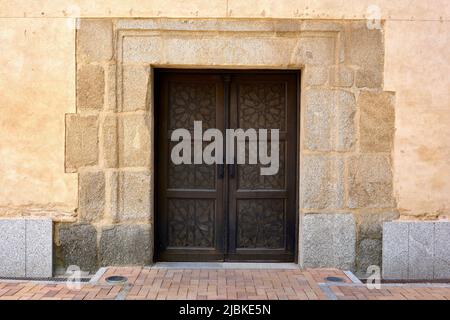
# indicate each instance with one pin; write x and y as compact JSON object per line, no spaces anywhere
{"x":225,"y":212}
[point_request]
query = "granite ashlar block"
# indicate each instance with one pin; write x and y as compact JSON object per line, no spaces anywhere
{"x":39,"y":248}
{"x":26,"y":247}
{"x":12,"y":247}
{"x":416,"y":250}
{"x":395,"y":250}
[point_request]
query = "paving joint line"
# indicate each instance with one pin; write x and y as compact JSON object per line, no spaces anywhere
{"x":98,"y":275}
{"x":124,"y":292}
{"x":352,"y":276}
{"x":327,"y":291}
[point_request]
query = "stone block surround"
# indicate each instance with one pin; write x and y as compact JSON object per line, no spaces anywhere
{"x":346,"y":137}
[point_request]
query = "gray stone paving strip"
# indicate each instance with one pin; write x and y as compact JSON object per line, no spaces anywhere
{"x":124,"y":292}
{"x":36,"y":281}
{"x":352,"y":277}
{"x":222,"y":265}
{"x":387,"y":285}
{"x":328,"y":292}
{"x":97,"y":276}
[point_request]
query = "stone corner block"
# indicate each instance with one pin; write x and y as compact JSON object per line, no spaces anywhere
{"x":81,"y":141}
{"x":90,"y":87}
{"x":39,"y":247}
{"x":368,"y":254}
{"x":78,"y":246}
{"x":316,"y":51}
{"x":341,"y":76}
{"x":329,"y":240}
{"x":126,"y":245}
{"x":315,"y":75}
{"x":370,"y":181}
{"x":329,"y":120}
{"x":135,"y":93}
{"x":134,"y":196}
{"x":94,"y":40}
{"x":370,"y":224}
{"x":369,"y":78}
{"x":322,"y":182}
{"x":377,"y":121}
{"x":364,"y":48}
{"x":12,"y":244}
{"x":91,"y":196}
{"x":135,"y":140}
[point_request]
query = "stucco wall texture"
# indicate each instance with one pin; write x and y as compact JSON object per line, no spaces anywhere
{"x":37,"y":89}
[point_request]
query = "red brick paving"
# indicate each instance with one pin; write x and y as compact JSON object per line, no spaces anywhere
{"x":211,"y":284}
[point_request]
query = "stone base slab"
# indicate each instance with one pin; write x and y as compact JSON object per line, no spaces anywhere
{"x":416,"y":250}
{"x":26,"y":247}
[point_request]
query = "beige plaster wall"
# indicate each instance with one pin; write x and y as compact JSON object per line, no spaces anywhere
{"x":37,"y":82}
{"x":36,"y":90}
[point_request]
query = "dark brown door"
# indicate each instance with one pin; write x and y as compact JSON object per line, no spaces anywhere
{"x":225,"y":212}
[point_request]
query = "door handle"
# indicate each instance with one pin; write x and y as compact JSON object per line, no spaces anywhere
{"x":221,"y":171}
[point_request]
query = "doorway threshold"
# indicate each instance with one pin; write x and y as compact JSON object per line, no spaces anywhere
{"x":223,"y":265}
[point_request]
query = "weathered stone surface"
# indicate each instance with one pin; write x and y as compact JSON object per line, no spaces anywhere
{"x":369,"y":253}
{"x":329,"y":241}
{"x":345,"y":120}
{"x":39,"y":247}
{"x":112,"y":196}
{"x":126,"y":245}
{"x":341,"y":76}
{"x":142,"y":49}
{"x":315,"y":75}
{"x":395,"y":250}
{"x":242,"y":50}
{"x":94,"y":40}
{"x":134,"y":140}
{"x":90,"y":87}
{"x":12,"y":247}
{"x":441,"y":265}
{"x":136,"y":82}
{"x":110,"y":142}
{"x":81,"y":141}
{"x":79,"y":246}
{"x":369,"y":78}
{"x":316,"y":50}
{"x":370,"y":224}
{"x":364,"y":48}
{"x":135,"y":195}
{"x":370,"y":181}
{"x":377,"y":121}
{"x":110,"y":88}
{"x":421,"y":250}
{"x":322,"y":182}
{"x":91,"y":196}
{"x":329,"y":123}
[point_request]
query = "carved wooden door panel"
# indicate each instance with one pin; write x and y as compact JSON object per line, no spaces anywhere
{"x":262,"y":208}
{"x":190,"y":196}
{"x":231,"y":212}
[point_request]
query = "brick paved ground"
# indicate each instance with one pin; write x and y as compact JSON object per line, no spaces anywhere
{"x":162,"y":283}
